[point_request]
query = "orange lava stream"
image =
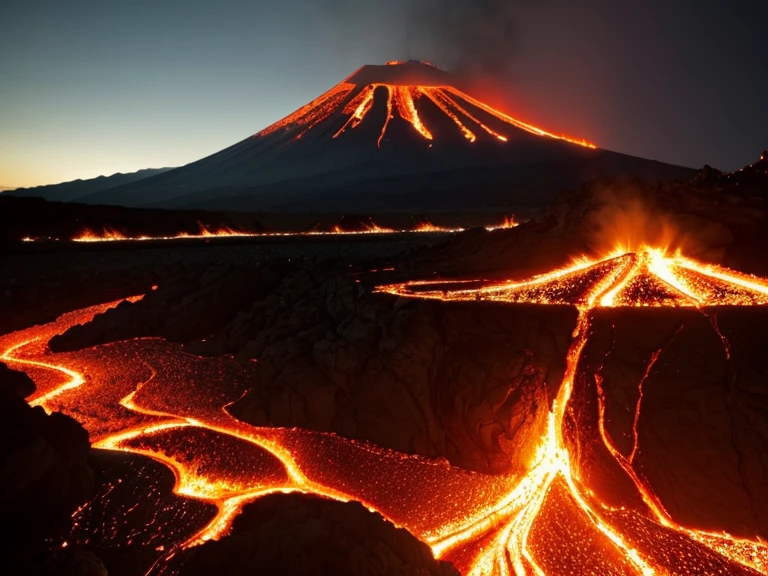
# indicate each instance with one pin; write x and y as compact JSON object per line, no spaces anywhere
{"x":507,"y":223}
{"x":314,"y":112}
{"x":404,"y":101}
{"x":111,"y":235}
{"x":357,"y":108}
{"x":452,"y":102}
{"x":649,"y":277}
{"x":434,"y":95}
{"x":427,"y":226}
{"x":446,"y":98}
{"x":163,"y":403}
{"x":388,"y":118}
{"x":485,"y":524}
{"x":515,"y":122}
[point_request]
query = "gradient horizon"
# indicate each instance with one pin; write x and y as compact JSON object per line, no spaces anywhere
{"x":94,"y":88}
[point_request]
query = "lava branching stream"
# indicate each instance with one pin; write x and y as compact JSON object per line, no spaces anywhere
{"x":149,"y":398}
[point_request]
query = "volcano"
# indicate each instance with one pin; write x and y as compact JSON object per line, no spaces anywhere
{"x":394,"y":137}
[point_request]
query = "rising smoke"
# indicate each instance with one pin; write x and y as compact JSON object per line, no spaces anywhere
{"x":478,"y":36}
{"x":473,"y":36}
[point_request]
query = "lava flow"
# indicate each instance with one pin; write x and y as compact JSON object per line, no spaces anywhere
{"x":146,"y":397}
{"x":648,"y":277}
{"x":453,"y":103}
{"x":408,"y":99}
{"x":111,"y":235}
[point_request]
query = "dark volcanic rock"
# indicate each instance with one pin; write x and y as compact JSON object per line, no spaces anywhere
{"x":703,"y":425}
{"x":44,"y":475}
{"x":190,"y":305}
{"x":17,"y":383}
{"x":296,"y":534}
{"x":468,"y":382}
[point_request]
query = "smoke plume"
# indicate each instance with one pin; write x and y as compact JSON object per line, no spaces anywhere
{"x":477,"y":36}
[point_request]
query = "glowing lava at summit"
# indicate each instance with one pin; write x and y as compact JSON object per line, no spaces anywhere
{"x":421,"y":96}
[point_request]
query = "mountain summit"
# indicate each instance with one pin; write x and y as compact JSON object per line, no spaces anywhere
{"x":399,"y":136}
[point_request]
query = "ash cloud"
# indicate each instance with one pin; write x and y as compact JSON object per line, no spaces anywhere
{"x":477,"y":36}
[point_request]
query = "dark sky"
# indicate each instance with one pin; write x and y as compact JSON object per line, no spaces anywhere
{"x":93,"y":87}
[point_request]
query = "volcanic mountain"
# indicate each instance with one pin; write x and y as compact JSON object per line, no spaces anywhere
{"x":394,"y":137}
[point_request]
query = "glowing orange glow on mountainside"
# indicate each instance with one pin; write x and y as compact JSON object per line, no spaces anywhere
{"x":351,"y":103}
{"x":405,"y":100}
{"x":144,"y":396}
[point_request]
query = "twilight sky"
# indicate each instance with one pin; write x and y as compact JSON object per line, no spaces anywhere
{"x":90,"y":87}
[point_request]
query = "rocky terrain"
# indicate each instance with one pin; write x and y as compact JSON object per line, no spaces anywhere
{"x":713,"y":216}
{"x":295,"y":534}
{"x":44,"y":476}
{"x":469,"y":382}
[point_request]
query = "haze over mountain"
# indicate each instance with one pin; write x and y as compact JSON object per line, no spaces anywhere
{"x":396,"y":137}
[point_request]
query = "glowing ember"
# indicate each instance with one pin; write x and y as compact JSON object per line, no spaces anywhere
{"x":649,"y":277}
{"x":351,"y":104}
{"x":371,"y":228}
{"x":508,"y":222}
{"x":314,"y":113}
{"x":111,"y":235}
{"x":452,"y":102}
{"x":427,"y":226}
{"x":138,"y":396}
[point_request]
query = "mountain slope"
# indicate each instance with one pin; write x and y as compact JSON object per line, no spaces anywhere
{"x":76,"y":189}
{"x":392,"y":137}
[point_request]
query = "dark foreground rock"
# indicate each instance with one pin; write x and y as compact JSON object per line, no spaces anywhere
{"x":296,"y":535}
{"x":702,"y":439}
{"x":44,"y":476}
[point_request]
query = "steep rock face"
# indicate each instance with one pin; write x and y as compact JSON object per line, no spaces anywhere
{"x":702,"y":440}
{"x":467,"y":383}
{"x":296,"y":534}
{"x":44,"y":475}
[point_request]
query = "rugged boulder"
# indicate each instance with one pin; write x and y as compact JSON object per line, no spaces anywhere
{"x":297,"y":535}
{"x":44,"y":475}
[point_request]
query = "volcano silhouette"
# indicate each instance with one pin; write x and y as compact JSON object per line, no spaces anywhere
{"x":388,"y":138}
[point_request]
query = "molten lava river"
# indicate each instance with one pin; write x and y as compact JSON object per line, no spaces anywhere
{"x":147,"y":397}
